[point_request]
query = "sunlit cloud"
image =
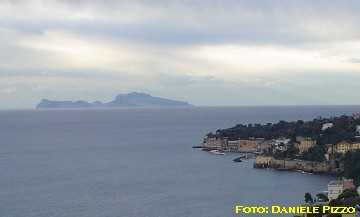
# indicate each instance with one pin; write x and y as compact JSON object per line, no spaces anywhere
{"x":73,"y":52}
{"x":249,"y":60}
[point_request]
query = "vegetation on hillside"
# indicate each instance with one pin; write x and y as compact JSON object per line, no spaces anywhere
{"x":351,"y":163}
{"x":344,"y":128}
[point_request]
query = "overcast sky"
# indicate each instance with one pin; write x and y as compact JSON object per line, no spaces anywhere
{"x":207,"y":52}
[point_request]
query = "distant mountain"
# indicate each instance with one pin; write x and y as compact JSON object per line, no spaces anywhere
{"x":133,"y":99}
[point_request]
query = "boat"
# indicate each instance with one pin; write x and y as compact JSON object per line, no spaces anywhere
{"x":238,"y":159}
{"x":197,"y":146}
{"x":216,"y":152}
{"x":303,"y":172}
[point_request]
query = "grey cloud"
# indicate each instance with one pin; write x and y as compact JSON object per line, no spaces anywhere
{"x":206,"y":22}
{"x":191,"y":80}
{"x":176,"y":25}
{"x":72,"y":74}
{"x":185,"y":80}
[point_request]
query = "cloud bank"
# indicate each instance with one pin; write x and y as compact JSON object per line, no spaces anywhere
{"x":206,"y":52}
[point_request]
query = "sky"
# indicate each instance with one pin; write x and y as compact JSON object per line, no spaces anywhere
{"x":206,"y":52}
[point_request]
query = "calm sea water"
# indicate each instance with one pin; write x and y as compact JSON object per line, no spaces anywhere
{"x":139,"y":162}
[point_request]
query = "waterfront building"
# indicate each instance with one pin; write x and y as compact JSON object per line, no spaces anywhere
{"x":210,"y":143}
{"x":248,"y":145}
{"x":233,"y":145}
{"x":223,"y":144}
{"x":289,"y":164}
{"x":335,"y":188}
{"x":264,"y":160}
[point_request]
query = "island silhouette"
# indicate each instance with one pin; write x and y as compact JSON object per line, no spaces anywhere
{"x":133,"y":99}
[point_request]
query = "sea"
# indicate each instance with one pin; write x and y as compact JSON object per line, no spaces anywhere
{"x":139,"y":162}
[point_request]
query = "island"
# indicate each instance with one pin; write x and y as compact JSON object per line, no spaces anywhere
{"x":133,"y":99}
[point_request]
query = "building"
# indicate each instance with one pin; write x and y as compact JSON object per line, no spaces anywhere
{"x":280,"y":144}
{"x":327,"y":126}
{"x":335,"y":188}
{"x":233,"y":145}
{"x":264,"y":160}
{"x":305,"y":144}
{"x":280,"y":147}
{"x":280,"y":141}
{"x":223,"y":144}
{"x":329,"y":151}
{"x":356,"y":116}
{"x":249,"y":145}
{"x":355,"y":146}
{"x":329,"y":148}
{"x":210,"y":143}
{"x":348,"y":184}
{"x":214,"y":143}
{"x":264,"y":145}
{"x":344,"y":147}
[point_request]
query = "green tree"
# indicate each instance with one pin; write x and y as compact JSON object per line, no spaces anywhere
{"x":316,"y":153}
{"x":352,"y":166}
{"x":308,"y":198}
{"x":348,"y":193}
{"x":322,"y":197}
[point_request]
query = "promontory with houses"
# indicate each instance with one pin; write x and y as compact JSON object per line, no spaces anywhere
{"x":319,"y":145}
{"x":322,"y":145}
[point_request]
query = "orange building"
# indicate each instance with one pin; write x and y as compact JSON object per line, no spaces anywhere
{"x":305,"y":144}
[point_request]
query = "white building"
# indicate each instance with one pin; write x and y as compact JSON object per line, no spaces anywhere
{"x":282,"y":140}
{"x":334,"y":189}
{"x":327,"y":125}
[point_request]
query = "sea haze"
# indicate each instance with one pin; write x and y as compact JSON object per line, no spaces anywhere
{"x":139,"y":162}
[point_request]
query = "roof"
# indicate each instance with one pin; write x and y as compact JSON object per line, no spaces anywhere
{"x":335,"y":183}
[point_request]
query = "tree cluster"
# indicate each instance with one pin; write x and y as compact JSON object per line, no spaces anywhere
{"x":344,"y":129}
{"x":351,"y":163}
